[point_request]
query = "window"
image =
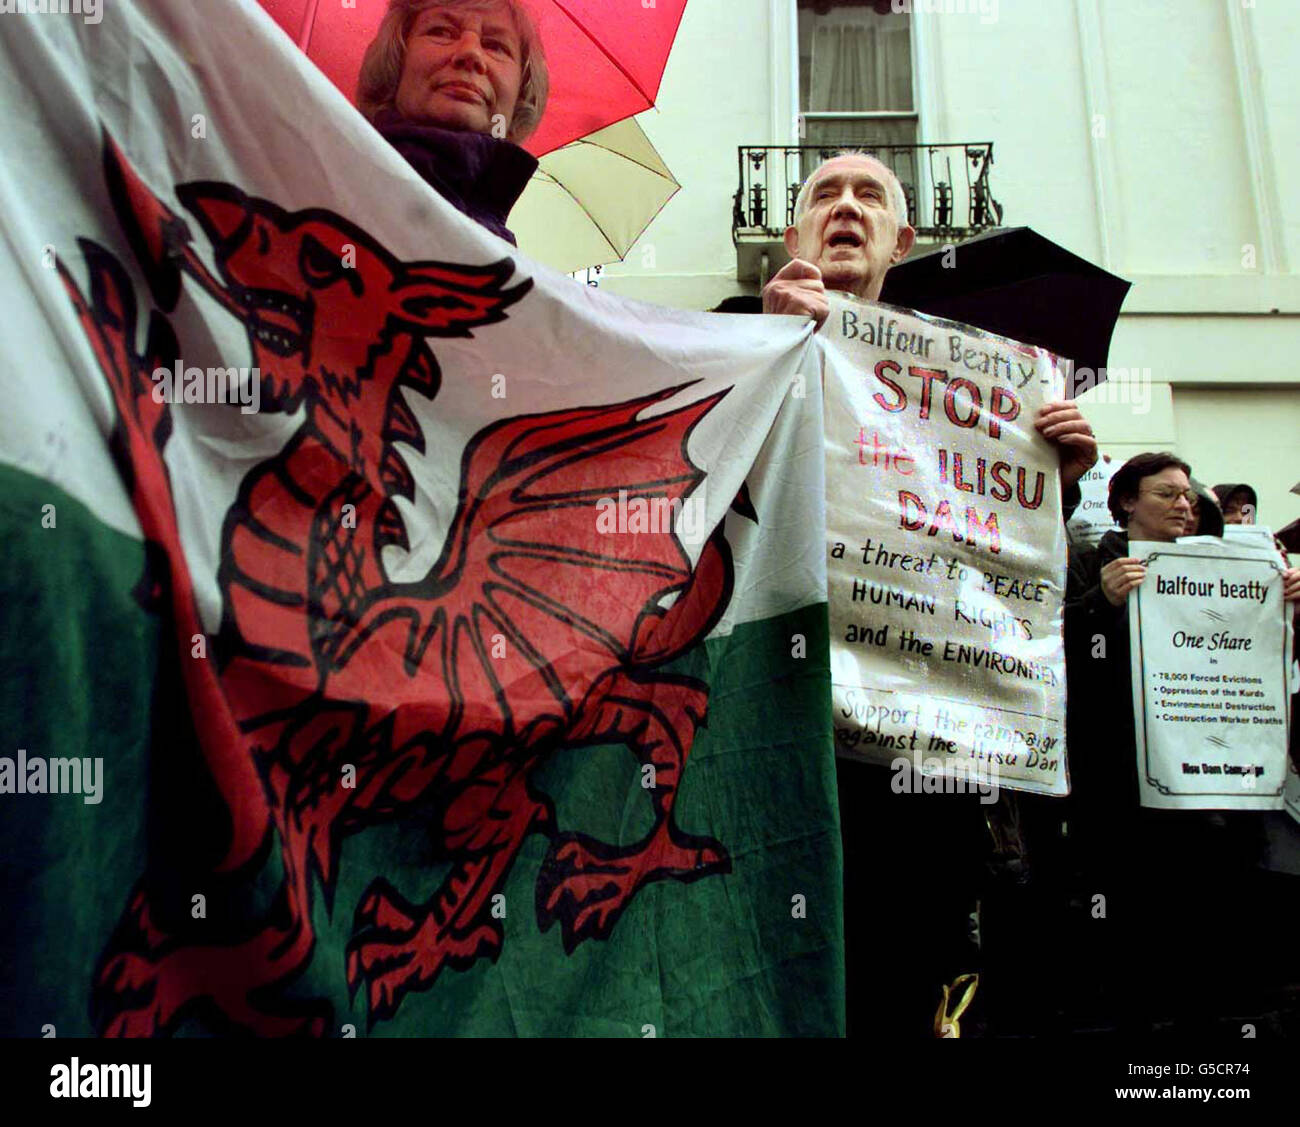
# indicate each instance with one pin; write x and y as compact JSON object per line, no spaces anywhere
{"x":855,"y":74}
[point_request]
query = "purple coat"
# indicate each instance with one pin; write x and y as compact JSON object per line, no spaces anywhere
{"x":478,"y":174}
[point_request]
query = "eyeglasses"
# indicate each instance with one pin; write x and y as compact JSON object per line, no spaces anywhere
{"x":1169,"y":496}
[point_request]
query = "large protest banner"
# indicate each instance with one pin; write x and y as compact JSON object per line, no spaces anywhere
{"x":946,"y":549}
{"x":1211,"y":657}
{"x":398,"y":635}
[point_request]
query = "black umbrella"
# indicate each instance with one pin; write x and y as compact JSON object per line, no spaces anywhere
{"x":1014,"y":282}
{"x":1290,"y":536}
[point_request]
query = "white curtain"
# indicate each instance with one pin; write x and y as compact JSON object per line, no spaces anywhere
{"x":860,"y":64}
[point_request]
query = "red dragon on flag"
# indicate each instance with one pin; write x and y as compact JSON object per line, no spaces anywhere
{"x":335,"y":698}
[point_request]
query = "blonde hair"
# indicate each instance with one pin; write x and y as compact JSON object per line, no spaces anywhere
{"x":381,"y":68}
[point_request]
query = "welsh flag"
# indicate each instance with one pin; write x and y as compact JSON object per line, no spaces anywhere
{"x":399,"y":638}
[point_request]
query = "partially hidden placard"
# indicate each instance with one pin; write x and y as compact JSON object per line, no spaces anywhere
{"x":1092,"y":519}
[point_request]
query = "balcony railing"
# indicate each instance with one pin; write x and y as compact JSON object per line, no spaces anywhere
{"x":947,"y":187}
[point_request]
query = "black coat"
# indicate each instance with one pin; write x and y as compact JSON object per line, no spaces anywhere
{"x":1099,"y":705}
{"x":479,"y":175}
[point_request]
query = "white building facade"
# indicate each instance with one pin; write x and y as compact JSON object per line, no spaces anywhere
{"x":1157,"y":138}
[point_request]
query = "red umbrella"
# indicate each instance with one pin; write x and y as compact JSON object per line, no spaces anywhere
{"x":606,"y":60}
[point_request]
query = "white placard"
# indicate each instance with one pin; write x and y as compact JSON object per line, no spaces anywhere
{"x":946,"y":561}
{"x":1255,"y":535}
{"x":1211,"y":662}
{"x":1092,"y":519}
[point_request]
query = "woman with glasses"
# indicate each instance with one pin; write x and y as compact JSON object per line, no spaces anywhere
{"x":1174,"y":884}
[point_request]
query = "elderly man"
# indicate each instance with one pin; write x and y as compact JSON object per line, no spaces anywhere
{"x":850,"y":226}
{"x":913,"y":865}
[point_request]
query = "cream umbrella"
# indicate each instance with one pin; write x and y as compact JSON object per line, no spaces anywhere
{"x":590,"y":201}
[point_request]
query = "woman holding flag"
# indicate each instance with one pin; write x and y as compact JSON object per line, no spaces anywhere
{"x":454,"y":86}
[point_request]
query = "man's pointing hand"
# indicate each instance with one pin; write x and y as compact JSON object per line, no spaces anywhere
{"x":797,"y":288}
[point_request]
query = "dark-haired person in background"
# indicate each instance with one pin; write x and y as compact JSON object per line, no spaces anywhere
{"x":1176,"y":884}
{"x":1239,"y":503}
{"x":1205,"y":519}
